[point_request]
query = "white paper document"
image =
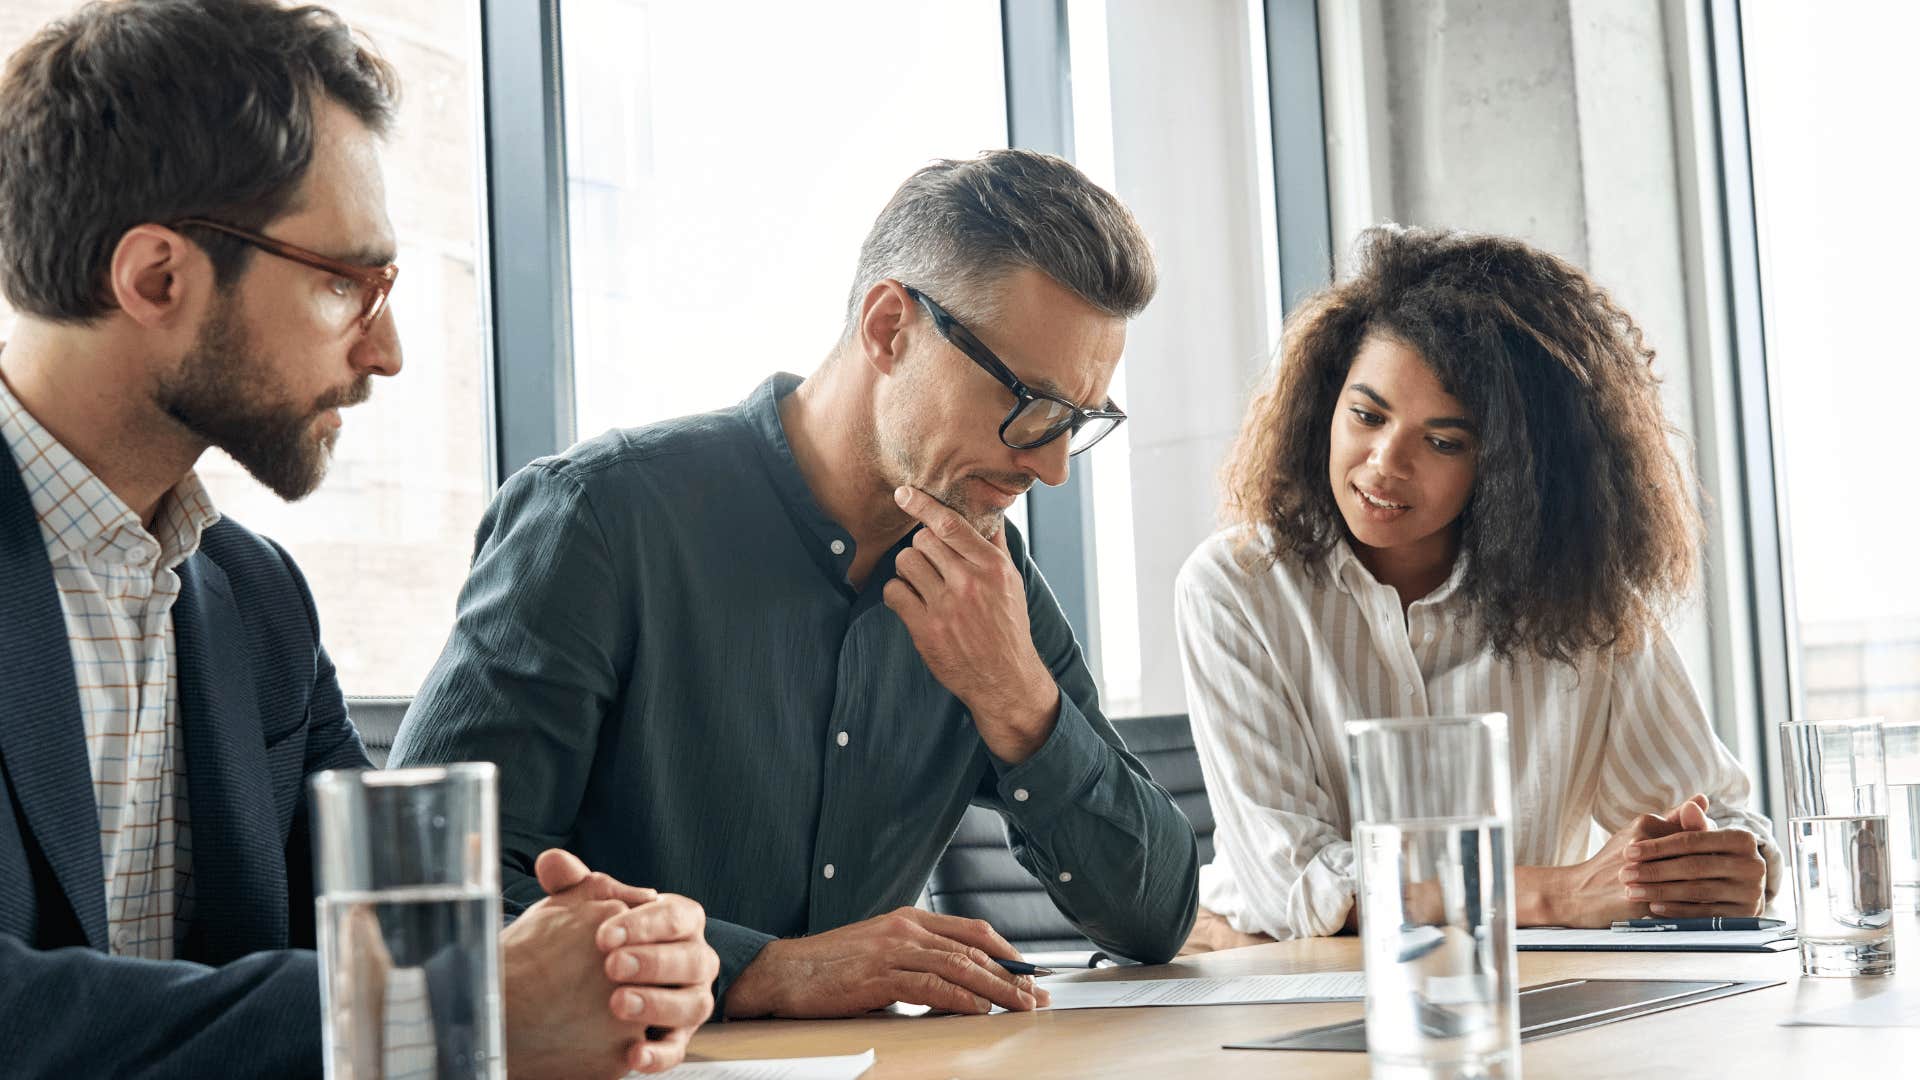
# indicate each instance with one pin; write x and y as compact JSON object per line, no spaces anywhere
{"x":1890,"y":1008}
{"x":1549,"y":938}
{"x":808,"y":1068}
{"x":1243,"y":990}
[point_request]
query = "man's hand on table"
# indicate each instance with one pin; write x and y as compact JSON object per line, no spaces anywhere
{"x":907,"y":955}
{"x":567,"y":1013}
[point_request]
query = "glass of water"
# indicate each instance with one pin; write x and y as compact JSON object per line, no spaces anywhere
{"x":1903,"y":808}
{"x":1837,"y":821}
{"x":1431,"y":810}
{"x":407,"y":871}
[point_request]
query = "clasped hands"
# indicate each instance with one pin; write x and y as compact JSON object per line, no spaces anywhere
{"x":603,"y":977}
{"x":1671,"y":865}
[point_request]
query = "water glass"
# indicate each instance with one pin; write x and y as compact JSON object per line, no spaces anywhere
{"x":1902,"y":739}
{"x":407,"y":875}
{"x":1837,"y":825}
{"x":1431,"y":810}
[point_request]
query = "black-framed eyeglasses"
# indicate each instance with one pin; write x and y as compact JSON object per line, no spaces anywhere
{"x":1036,"y":418}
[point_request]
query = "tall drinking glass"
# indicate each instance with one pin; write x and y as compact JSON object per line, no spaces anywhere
{"x":407,"y":870}
{"x":1903,"y":809}
{"x":1837,"y":821}
{"x":1431,"y":810}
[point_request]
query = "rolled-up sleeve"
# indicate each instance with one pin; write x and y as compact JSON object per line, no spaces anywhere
{"x":1280,"y":834}
{"x":1085,"y":818}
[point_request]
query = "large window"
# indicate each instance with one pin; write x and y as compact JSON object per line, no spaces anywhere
{"x":1833,"y":177}
{"x":385,"y":541}
{"x":725,"y":160}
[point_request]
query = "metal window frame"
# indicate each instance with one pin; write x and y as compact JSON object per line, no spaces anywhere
{"x":1772,"y":626}
{"x":527,"y":301}
{"x":1296,"y":109}
{"x":1037,"y":60}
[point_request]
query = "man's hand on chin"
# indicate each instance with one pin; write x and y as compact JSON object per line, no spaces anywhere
{"x":965,"y":605}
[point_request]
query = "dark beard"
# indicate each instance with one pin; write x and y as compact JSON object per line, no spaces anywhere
{"x":213,"y":396}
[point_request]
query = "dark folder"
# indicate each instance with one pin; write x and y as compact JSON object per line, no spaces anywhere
{"x":1554,"y":1008}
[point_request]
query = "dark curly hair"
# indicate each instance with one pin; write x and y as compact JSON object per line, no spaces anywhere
{"x":1583,"y":528}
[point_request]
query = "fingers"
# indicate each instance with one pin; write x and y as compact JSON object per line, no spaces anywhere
{"x":924,"y":988}
{"x":680,"y":963}
{"x":659,"y":1055}
{"x":1692,"y":815}
{"x":670,"y":917}
{"x":1710,"y":891}
{"x":939,"y":553}
{"x":975,"y":932}
{"x":913,"y":567}
{"x":599,"y":886}
{"x":901,"y":598}
{"x":1696,"y":799}
{"x":1711,"y":841}
{"x":559,"y":870}
{"x":944,"y":523}
{"x":1736,"y":909}
{"x":978,"y":988}
{"x":1650,"y":826}
{"x":1695,"y":868}
{"x":663,"y":1006}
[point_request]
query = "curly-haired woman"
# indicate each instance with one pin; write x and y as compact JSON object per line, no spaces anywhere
{"x":1458,"y":495}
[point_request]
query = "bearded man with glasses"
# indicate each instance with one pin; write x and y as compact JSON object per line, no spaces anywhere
{"x":801,"y":629}
{"x":193,"y":230}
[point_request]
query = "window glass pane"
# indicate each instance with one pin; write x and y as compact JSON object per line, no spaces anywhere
{"x":725,"y":160}
{"x":1116,"y":584}
{"x":1833,"y":177}
{"x":384,"y":542}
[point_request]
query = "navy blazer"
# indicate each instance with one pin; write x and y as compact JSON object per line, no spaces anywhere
{"x":260,"y":709}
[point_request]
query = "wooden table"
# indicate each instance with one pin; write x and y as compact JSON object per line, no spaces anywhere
{"x":1738,"y":1036}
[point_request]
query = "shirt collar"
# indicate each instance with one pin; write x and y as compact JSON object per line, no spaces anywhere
{"x":1352,"y":575}
{"x":80,"y":515}
{"x":761,"y":411}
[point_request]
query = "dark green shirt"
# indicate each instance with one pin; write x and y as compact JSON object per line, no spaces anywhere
{"x":659,"y":647}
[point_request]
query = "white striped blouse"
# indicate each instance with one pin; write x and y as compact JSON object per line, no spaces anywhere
{"x":1277,"y":658}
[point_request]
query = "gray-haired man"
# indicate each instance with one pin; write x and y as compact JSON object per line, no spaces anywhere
{"x":734,"y":627}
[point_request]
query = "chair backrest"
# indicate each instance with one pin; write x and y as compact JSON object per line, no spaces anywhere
{"x":378,"y":720}
{"x":979,"y":878}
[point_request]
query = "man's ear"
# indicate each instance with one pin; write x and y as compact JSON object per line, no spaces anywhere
{"x":884,"y":313}
{"x":154,"y":273}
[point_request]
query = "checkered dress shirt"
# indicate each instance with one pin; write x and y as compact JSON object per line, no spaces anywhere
{"x":117,"y":588}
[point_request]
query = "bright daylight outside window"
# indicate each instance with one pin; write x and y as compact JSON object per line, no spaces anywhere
{"x":385,"y":541}
{"x":720,"y":182}
{"x":1833,"y":172}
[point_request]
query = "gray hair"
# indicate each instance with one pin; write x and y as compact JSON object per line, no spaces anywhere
{"x":955,"y":229}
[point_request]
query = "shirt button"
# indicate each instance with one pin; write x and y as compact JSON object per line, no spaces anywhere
{"x":827,"y":871}
{"x":1409,"y":689}
{"x":1019,"y":794}
{"x":841,"y":738}
{"x":1065,"y":876}
{"x":838,"y":547}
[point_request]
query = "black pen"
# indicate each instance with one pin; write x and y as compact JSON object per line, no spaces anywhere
{"x":1715,"y":922}
{"x":1021,"y":967}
